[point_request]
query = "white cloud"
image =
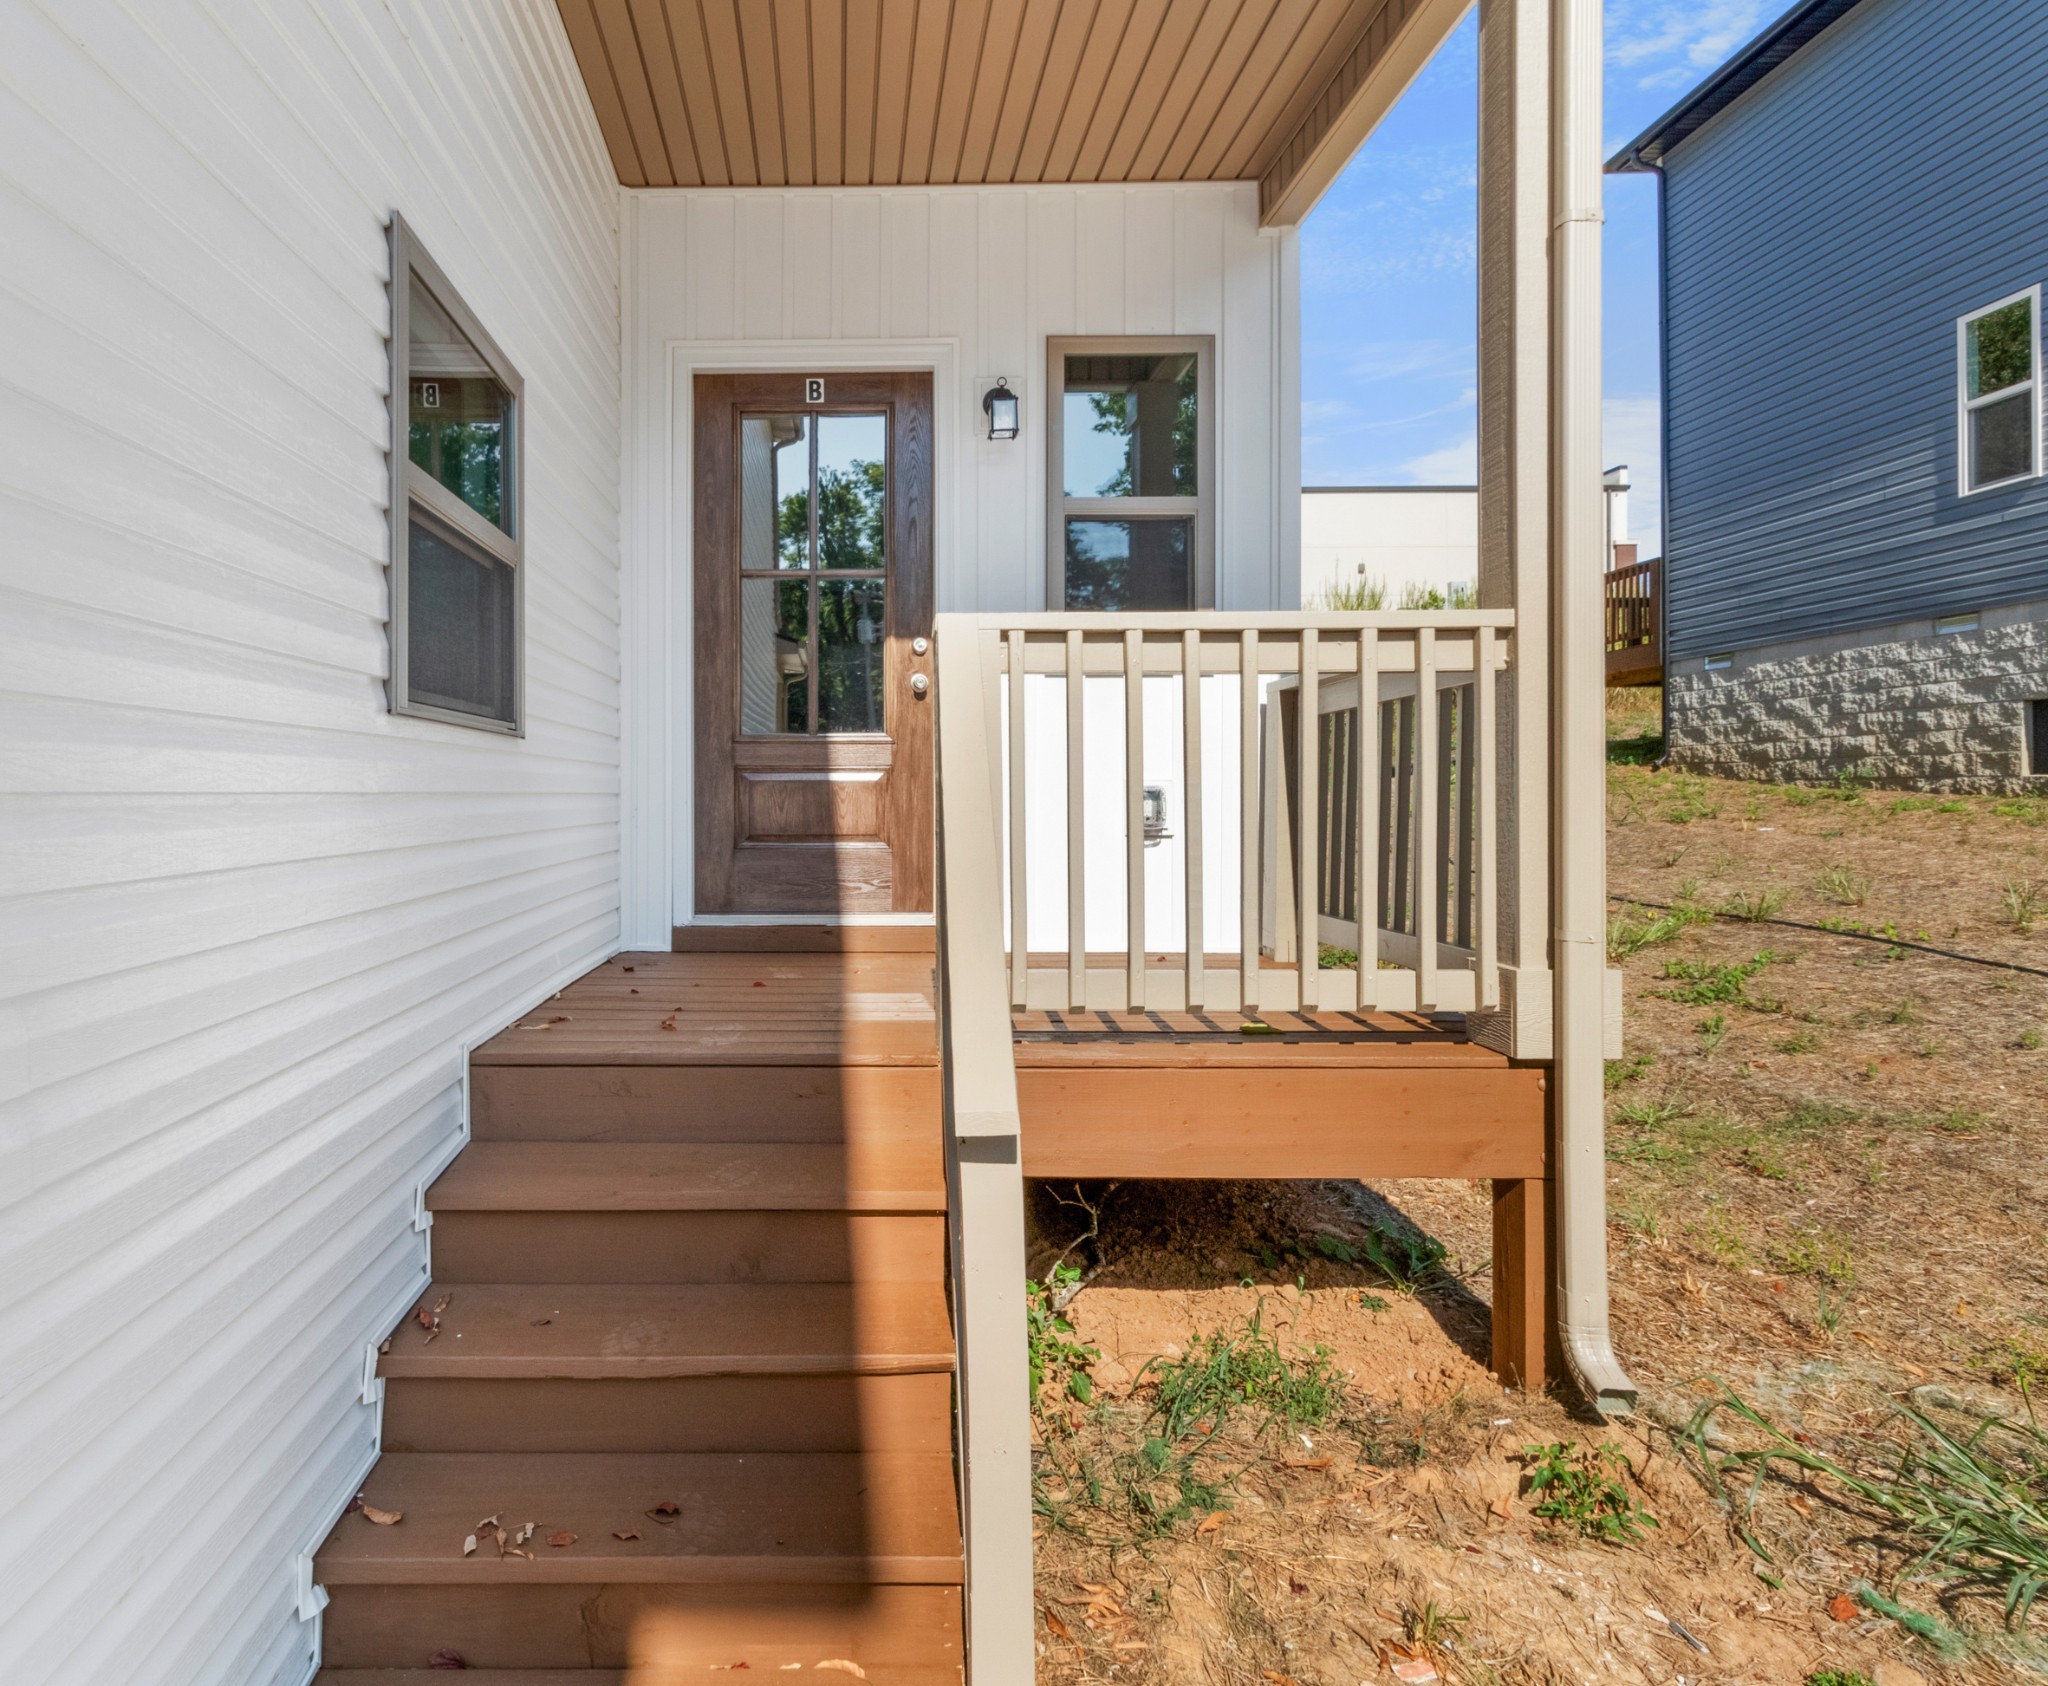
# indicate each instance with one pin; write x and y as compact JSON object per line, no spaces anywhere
{"x":1672,"y":42}
{"x":1455,"y":464}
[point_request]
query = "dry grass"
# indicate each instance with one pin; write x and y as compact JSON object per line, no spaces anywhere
{"x":1827,"y":1192}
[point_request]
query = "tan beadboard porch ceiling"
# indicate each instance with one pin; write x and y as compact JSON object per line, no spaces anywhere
{"x":841,"y":93}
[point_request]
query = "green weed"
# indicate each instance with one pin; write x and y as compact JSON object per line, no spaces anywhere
{"x":1843,"y":885}
{"x":1755,"y":906}
{"x":1713,"y":1031}
{"x":1704,"y":984}
{"x":1403,"y":1254}
{"x":1632,"y":929}
{"x":1352,"y":596}
{"x":1231,"y":1371}
{"x":1823,"y":1254}
{"x":1619,"y":1072}
{"x":1055,"y":1355}
{"x":1581,"y":1487}
{"x":2020,"y":903}
{"x":1799,"y":1042}
{"x":1970,"y":1490}
{"x":1836,"y":1677}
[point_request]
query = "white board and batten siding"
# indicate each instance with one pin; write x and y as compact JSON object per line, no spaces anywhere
{"x":969,"y":282}
{"x":250,"y":919}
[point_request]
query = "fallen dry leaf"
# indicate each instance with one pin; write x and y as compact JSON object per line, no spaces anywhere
{"x":561,"y":1539}
{"x":1056,"y":1627}
{"x":431,"y":1320}
{"x":840,"y":1664}
{"x":446,"y":1659}
{"x":1503,"y":1507}
{"x":539,"y":1322}
{"x":1842,"y":1607}
{"x":1211,"y":1523}
{"x":1418,"y":1671}
{"x":1803,"y":1506}
{"x":669,"y":1023}
{"x":666,"y":1513}
{"x":1276,"y":1678}
{"x":469,"y":1545}
{"x":625,"y":1533}
{"x":629,"y":968}
{"x":383,"y":1518}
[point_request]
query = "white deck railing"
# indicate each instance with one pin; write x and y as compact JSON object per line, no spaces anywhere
{"x":1174,"y":840}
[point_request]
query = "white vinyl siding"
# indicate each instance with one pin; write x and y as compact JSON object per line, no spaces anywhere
{"x":248,"y":918}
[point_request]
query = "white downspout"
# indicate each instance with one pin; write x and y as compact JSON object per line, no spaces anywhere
{"x":1578,"y":721}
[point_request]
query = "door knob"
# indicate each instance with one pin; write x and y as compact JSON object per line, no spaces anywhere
{"x":919,"y":684}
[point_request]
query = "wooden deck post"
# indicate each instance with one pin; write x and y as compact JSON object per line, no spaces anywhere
{"x":1525,"y":1344}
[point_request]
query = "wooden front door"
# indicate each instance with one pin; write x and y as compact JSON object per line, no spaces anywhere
{"x":813,"y":565}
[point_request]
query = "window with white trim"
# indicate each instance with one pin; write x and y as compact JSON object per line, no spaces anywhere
{"x":457,"y":607}
{"x":1130,"y":473}
{"x":1998,"y":355}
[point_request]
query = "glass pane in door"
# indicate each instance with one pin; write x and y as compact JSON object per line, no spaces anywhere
{"x":850,"y":656}
{"x":775,"y":656}
{"x":853,"y":482}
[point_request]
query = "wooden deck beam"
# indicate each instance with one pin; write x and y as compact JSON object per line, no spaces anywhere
{"x":1433,"y":1120}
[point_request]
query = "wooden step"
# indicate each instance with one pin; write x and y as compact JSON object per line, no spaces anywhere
{"x":475,"y":1677}
{"x":901,"y":1635}
{"x":773,"y":1010}
{"x":553,"y":1246}
{"x":702,"y":1103}
{"x":606,"y":1329}
{"x":887,"y":1176}
{"x":772,"y":1516}
{"x":897,"y":1413}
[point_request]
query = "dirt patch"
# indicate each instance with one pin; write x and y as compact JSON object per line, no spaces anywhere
{"x":1827,"y":1193}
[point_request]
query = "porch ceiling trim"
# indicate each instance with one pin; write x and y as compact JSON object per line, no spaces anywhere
{"x":1386,"y":58}
{"x":850,"y":93}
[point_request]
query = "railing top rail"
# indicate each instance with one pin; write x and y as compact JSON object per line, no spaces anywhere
{"x":1104,"y":623}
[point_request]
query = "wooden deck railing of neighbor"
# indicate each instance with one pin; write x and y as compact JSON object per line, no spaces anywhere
{"x":1173,"y":840}
{"x":1634,"y":656}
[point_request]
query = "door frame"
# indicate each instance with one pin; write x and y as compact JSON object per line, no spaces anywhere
{"x":657,"y":775}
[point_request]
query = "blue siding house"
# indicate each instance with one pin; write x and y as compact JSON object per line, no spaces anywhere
{"x":1855,"y":245}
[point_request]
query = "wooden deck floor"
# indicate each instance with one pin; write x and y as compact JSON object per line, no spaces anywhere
{"x":1101,"y":1095}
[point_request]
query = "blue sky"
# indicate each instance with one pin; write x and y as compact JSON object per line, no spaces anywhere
{"x":1389,"y":265}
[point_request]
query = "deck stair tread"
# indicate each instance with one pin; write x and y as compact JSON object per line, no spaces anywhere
{"x":753,"y":1517}
{"x":485,"y":1677}
{"x":862,"y":1176}
{"x":805,"y":1659}
{"x":723,"y":1009}
{"x":600,"y":1330}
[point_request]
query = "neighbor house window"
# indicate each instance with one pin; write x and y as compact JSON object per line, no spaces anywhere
{"x":1998,"y":380}
{"x":456,"y":519}
{"x":1130,"y":473}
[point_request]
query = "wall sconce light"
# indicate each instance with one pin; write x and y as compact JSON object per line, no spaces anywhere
{"x":999,"y":404}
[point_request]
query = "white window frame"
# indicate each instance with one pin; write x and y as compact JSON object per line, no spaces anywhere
{"x":415,"y":492}
{"x":1059,"y":508}
{"x":1965,"y":404}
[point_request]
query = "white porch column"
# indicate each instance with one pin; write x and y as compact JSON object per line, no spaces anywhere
{"x":1514,"y":490}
